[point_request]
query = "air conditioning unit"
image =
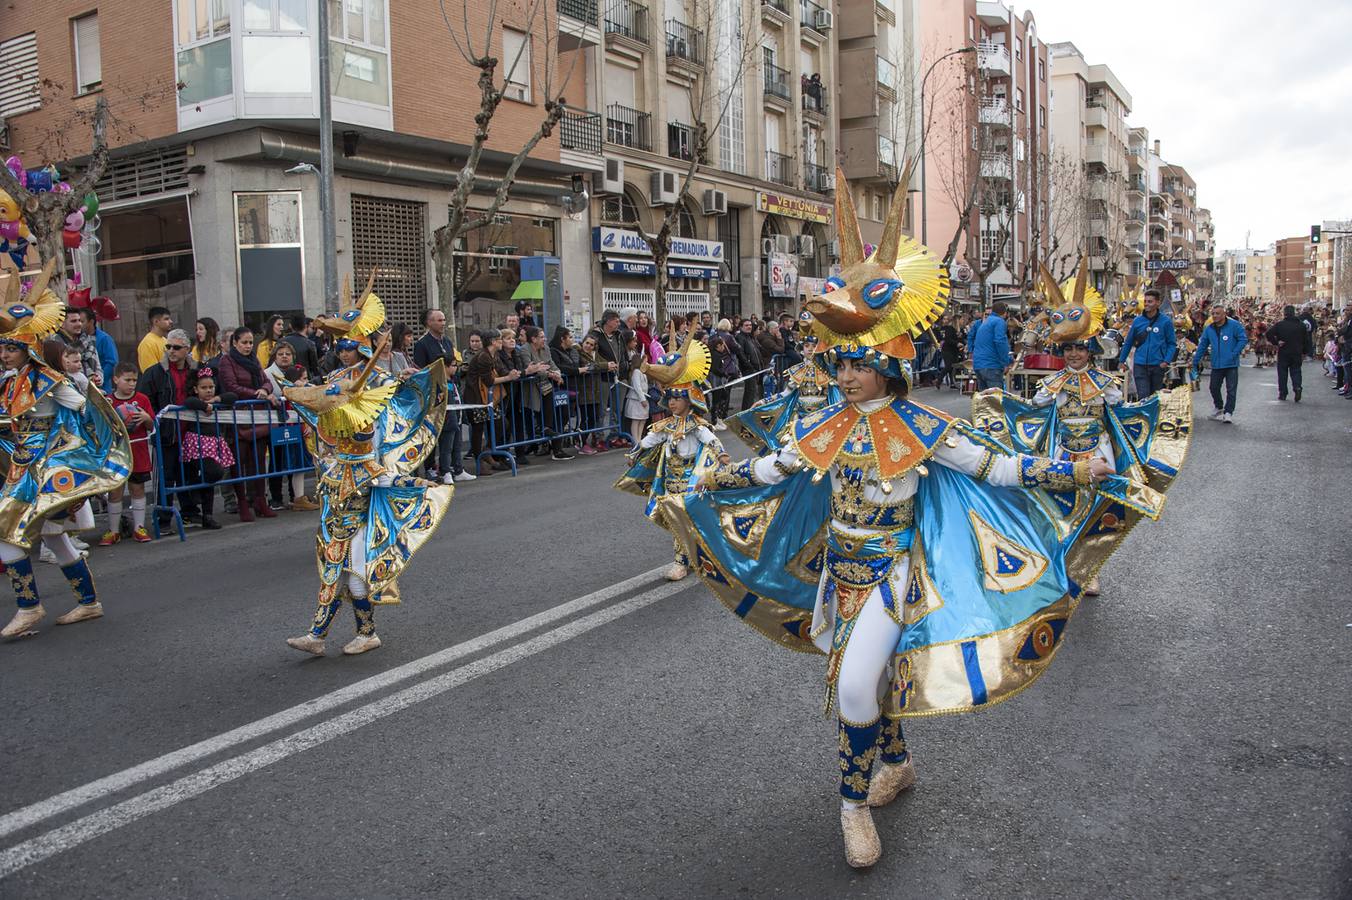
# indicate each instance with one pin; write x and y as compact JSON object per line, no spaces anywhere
{"x":827,"y":183}
{"x":807,"y":245}
{"x":516,"y":91}
{"x":767,"y":247}
{"x":662,"y":189}
{"x":823,"y":20}
{"x":613,"y":180}
{"x":715,"y":203}
{"x":783,"y":243}
{"x":833,"y":250}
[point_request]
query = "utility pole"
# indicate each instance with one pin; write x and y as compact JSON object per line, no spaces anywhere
{"x":327,"y":216}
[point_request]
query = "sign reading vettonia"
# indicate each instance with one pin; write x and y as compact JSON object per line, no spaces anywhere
{"x":620,"y":240}
{"x":793,"y":207}
{"x":1155,"y":265}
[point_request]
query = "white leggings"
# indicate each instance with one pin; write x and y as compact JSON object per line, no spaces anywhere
{"x":356,"y":583}
{"x":863,"y":668}
{"x":58,"y":542}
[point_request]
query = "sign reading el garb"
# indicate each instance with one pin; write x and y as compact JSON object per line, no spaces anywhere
{"x":1155,"y":265}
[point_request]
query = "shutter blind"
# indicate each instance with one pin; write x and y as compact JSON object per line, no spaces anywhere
{"x":88,"y":57}
{"x":19,"y":84}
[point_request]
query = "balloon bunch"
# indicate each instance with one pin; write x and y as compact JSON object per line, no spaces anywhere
{"x":80,"y":226}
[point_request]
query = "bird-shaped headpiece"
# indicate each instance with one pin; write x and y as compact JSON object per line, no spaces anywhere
{"x":1077,"y":308}
{"x":682,"y":372}
{"x":29,"y":317}
{"x":346,"y":407}
{"x":870,"y":312}
{"x":355,"y":321}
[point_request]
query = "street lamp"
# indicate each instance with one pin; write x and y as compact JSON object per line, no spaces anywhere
{"x":924,"y":182}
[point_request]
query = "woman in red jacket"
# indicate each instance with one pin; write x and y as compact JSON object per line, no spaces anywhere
{"x":241,"y":375}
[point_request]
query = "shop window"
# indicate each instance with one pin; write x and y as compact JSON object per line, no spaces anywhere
{"x":146,"y":260}
{"x":269,"y":243}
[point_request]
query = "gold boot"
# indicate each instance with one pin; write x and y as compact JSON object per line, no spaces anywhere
{"x":676,"y":571}
{"x":863,"y":847}
{"x":307,"y":643}
{"x":1092,"y":588}
{"x":360,"y":644}
{"x":888,"y":780}
{"x":23,"y":621}
{"x":81,"y":613}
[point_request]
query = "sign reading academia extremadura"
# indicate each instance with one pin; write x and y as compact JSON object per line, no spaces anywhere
{"x":1179,"y":265}
{"x":794,"y":207}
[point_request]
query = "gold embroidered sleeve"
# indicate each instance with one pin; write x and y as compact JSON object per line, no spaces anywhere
{"x":1039,"y":472}
{"x":734,"y":475}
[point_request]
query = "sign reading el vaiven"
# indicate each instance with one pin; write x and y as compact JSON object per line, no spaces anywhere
{"x":1155,"y":265}
{"x":793,"y":207}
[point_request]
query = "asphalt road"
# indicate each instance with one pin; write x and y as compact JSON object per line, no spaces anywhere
{"x":1190,"y":741}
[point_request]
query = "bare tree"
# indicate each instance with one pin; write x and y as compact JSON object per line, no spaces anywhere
{"x":476,"y":48}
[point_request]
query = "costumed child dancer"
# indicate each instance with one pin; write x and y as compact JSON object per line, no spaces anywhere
{"x":678,"y":448}
{"x":368,"y":433}
{"x":64,"y":447}
{"x":807,"y":388}
{"x":919,"y":554}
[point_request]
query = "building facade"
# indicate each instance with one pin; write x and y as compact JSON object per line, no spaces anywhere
{"x":1295,"y":270}
{"x":1089,"y":109}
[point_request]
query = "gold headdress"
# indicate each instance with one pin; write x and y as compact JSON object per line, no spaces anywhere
{"x":682,"y":372}
{"x":346,"y":407}
{"x":879,"y":302}
{"x":356,"y":321}
{"x":33,"y":317}
{"x":1078,"y":310}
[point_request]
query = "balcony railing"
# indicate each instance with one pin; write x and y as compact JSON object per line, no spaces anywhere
{"x":684,"y":42}
{"x":887,"y":74}
{"x":680,"y":141}
{"x":1136,"y":184}
{"x":779,"y":168}
{"x":808,"y":14}
{"x":815,"y":177}
{"x":580,"y":130}
{"x":780,"y":5}
{"x":993,"y":57}
{"x":581,"y":10}
{"x":628,"y":127}
{"x":814,"y":98}
{"x":776,"y":81}
{"x":627,"y":19}
{"x":1137,"y":215}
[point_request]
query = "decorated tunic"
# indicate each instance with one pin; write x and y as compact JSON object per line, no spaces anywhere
{"x":1081,"y":398}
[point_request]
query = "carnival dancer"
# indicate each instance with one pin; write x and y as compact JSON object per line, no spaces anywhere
{"x":679,"y":448}
{"x":64,"y":447}
{"x":807,"y":388}
{"x":876,"y":536}
{"x":1079,"y":414}
{"x":368,"y":432}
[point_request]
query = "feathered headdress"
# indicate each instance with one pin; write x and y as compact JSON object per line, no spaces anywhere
{"x":355,"y":321}
{"x":346,"y":407}
{"x":682,"y":372}
{"x":1079,"y":319}
{"x":880,"y":301}
{"x":30,"y":318}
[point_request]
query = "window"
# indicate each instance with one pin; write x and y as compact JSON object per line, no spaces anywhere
{"x":276,"y":15}
{"x":203,"y":44}
{"x":19,"y":90}
{"x":971,"y":28}
{"x":268,"y":242}
{"x":1041,"y":70}
{"x":620,"y":209}
{"x":516,"y":64}
{"x":88,"y":59}
{"x":1042,"y":116}
{"x":685,"y":224}
{"x":275,"y":49}
{"x":878,"y":213}
{"x":359,"y":63}
{"x":1018,"y":99}
{"x":1018,"y":49}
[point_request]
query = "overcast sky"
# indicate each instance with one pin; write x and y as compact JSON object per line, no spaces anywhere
{"x":1253,"y":99}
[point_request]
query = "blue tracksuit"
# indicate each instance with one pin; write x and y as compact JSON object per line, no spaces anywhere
{"x":990,"y":350}
{"x":1225,"y":343}
{"x":1152,"y":339}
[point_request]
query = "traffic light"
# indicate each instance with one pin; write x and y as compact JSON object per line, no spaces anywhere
{"x":1314,"y":234}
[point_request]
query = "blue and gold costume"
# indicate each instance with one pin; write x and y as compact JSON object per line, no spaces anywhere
{"x":677,"y":450}
{"x":60,"y":447}
{"x":368,"y":433}
{"x":917,"y":553}
{"x":807,"y":388}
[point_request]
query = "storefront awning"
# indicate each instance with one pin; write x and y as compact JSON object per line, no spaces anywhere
{"x":619,"y":265}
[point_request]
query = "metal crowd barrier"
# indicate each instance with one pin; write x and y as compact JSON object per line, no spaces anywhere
{"x":527,"y":415}
{"x":272,"y":443}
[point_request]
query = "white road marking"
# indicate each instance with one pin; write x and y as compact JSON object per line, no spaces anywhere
{"x":103,"y":821}
{"x":118,"y":781}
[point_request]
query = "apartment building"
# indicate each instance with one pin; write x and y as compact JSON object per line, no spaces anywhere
{"x":1138,"y":225}
{"x":1001,"y":139}
{"x":1340,"y":253}
{"x":1204,"y":252}
{"x":1089,"y":109}
{"x":1262,"y":280}
{"x":215,"y":104}
{"x":1295,"y":270}
{"x":761,"y":80}
{"x":1322,"y":256}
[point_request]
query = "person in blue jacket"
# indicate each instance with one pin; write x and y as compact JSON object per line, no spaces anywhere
{"x":103,"y":343}
{"x":1224,"y":338}
{"x":1152,"y":337}
{"x":990,"y":349}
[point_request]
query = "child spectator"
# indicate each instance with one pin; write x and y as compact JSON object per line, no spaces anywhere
{"x":283,"y":372}
{"x":204,"y":441}
{"x":134,"y":408}
{"x":73,"y":367}
{"x":636,"y":408}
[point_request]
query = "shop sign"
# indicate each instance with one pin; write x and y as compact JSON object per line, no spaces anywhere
{"x":620,"y":240}
{"x":793,"y":207}
{"x":630,"y":267}
{"x":783,"y":275}
{"x":810,"y":287}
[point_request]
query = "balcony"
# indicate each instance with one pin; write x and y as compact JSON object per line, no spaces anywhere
{"x":994,"y":111}
{"x":776,"y":81}
{"x":1098,"y":190}
{"x":578,"y":21}
{"x":680,"y":141}
{"x":580,"y":130}
{"x":776,"y":6}
{"x":995,"y":165}
{"x":1136,"y":217}
{"x":1136,"y":185}
{"x":779,"y":168}
{"x":1136,"y":249}
{"x":816,"y":178}
{"x":809,"y":15}
{"x":627,"y":19}
{"x":684,"y":43}
{"x":1096,"y":152}
{"x":993,"y":59}
{"x":628,"y":127}
{"x":887,"y":76}
{"x":1096,"y":117}
{"x":1098,"y":227}
{"x":814,"y":100}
